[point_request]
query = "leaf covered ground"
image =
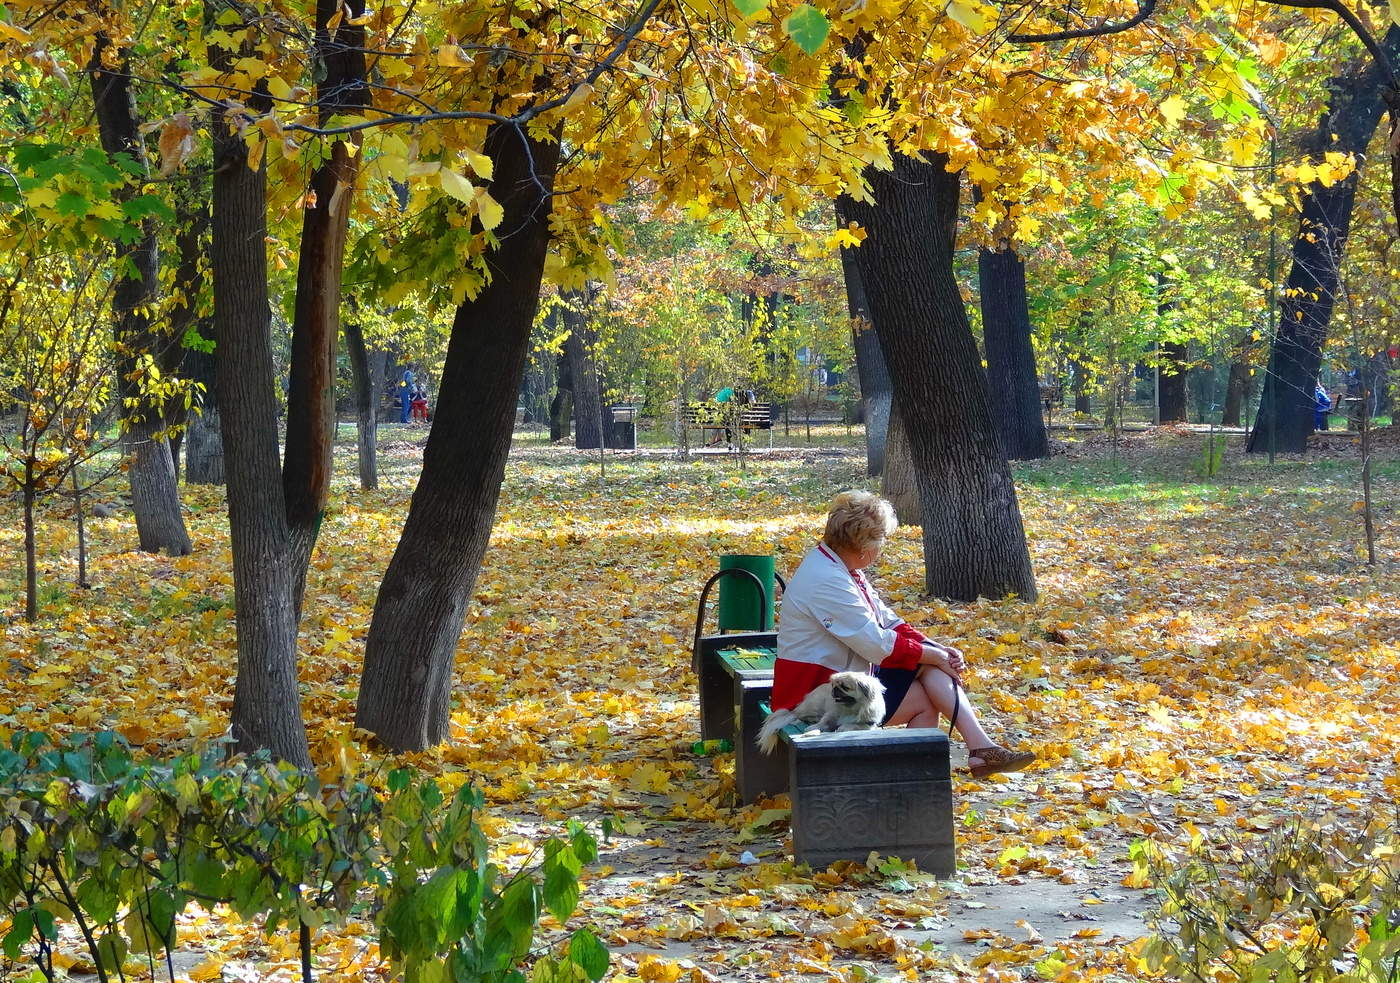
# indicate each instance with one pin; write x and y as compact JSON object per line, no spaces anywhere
{"x":1207,"y":658}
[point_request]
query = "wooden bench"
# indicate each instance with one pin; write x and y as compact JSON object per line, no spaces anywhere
{"x":721,"y":662}
{"x":707,"y":417}
{"x":887,"y":791}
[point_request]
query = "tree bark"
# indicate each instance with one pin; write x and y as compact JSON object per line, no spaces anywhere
{"x":897,"y":484}
{"x":1171,"y":382}
{"x":583,"y":370}
{"x":367,"y":418}
{"x":561,"y":408}
{"x":203,"y":446}
{"x":1238,"y":384}
{"x":266,"y":704}
{"x":1172,"y":361}
{"x":876,"y":395}
{"x":405,"y":692}
{"x":1353,"y":112}
{"x":306,"y":468}
{"x":155,"y":494}
{"x":1079,"y":375}
{"x":31,"y":553}
{"x":974,"y":543}
{"x":204,"y":443}
{"x":1011,"y":371}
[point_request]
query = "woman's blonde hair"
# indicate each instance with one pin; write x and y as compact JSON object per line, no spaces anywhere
{"x":858,"y":519}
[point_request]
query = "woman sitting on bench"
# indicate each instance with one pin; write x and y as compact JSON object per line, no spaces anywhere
{"x":833,"y":621}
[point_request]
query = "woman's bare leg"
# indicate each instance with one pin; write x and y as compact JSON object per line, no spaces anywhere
{"x":915,"y":709}
{"x":931,"y":696}
{"x":941,"y":692}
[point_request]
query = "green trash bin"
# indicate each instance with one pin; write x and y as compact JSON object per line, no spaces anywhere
{"x":740,"y":607}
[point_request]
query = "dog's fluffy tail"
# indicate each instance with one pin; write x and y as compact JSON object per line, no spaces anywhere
{"x":768,"y":733}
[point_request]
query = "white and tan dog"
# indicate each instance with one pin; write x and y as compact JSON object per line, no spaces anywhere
{"x":847,"y":701}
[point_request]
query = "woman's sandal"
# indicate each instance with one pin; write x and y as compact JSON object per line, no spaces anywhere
{"x":996,"y":759}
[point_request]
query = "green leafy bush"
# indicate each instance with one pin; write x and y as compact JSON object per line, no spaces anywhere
{"x":117,"y":847}
{"x":1315,"y":902}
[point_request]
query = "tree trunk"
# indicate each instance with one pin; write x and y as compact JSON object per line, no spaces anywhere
{"x":876,"y":397}
{"x":266,"y":704}
{"x":1011,"y":372}
{"x":306,"y":467}
{"x":1079,"y":375}
{"x":1237,"y":385}
{"x":1305,"y":306}
{"x":405,"y":693}
{"x":561,"y":411}
{"x":203,"y":446}
{"x":31,"y":554}
{"x":155,"y":494}
{"x":1172,"y":360}
{"x":561,"y":408}
{"x":368,"y":420}
{"x":204,"y":443}
{"x":1171,"y":382}
{"x":974,"y":543}
{"x":583,"y":370}
{"x":897,"y":484}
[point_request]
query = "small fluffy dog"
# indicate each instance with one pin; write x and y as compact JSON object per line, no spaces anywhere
{"x":848,"y":701}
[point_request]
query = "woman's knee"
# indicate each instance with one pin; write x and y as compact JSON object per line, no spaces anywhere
{"x":914,"y":706}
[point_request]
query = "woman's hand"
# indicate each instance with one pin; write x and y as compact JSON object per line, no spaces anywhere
{"x":944,"y":657}
{"x":955,"y":658}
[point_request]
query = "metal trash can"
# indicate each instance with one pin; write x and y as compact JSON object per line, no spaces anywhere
{"x":741,"y":607}
{"x":624,"y":427}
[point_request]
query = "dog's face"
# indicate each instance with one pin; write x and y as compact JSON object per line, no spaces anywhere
{"x":855,"y":688}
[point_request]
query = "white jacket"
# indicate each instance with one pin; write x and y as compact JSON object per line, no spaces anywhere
{"x":834,"y":621}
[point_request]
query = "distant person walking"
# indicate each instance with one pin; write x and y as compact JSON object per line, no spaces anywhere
{"x":1322,"y":407}
{"x":406,"y":390}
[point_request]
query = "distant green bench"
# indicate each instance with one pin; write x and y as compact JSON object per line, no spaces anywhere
{"x":887,"y":791}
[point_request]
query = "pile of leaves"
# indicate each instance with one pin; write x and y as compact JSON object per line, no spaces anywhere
{"x":1206,"y":658}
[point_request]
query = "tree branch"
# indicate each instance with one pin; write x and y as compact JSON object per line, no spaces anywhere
{"x":1357,"y":28}
{"x":1145,"y":9}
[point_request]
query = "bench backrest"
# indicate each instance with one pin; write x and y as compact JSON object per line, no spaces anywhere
{"x":718,"y":415}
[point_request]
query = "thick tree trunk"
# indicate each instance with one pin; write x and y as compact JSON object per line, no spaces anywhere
{"x":974,"y":543}
{"x":1238,"y":384}
{"x":1079,"y":375}
{"x":897,"y":484}
{"x":160,"y":521}
{"x":561,"y":411}
{"x":405,"y":693}
{"x":204,"y":442}
{"x":367,"y":418}
{"x":155,"y":494}
{"x":583,"y":370}
{"x":1305,"y":306}
{"x":876,"y":394}
{"x":306,"y":468}
{"x":561,"y":408}
{"x":1172,"y":361}
{"x":1011,"y":372}
{"x":1171,"y":382}
{"x":266,"y":704}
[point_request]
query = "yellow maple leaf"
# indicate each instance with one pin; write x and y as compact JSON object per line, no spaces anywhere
{"x":1173,"y":109}
{"x":456,"y":185}
{"x":488,"y":210}
{"x":971,"y":15}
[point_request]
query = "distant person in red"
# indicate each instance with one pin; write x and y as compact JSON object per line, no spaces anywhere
{"x":418,"y":406}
